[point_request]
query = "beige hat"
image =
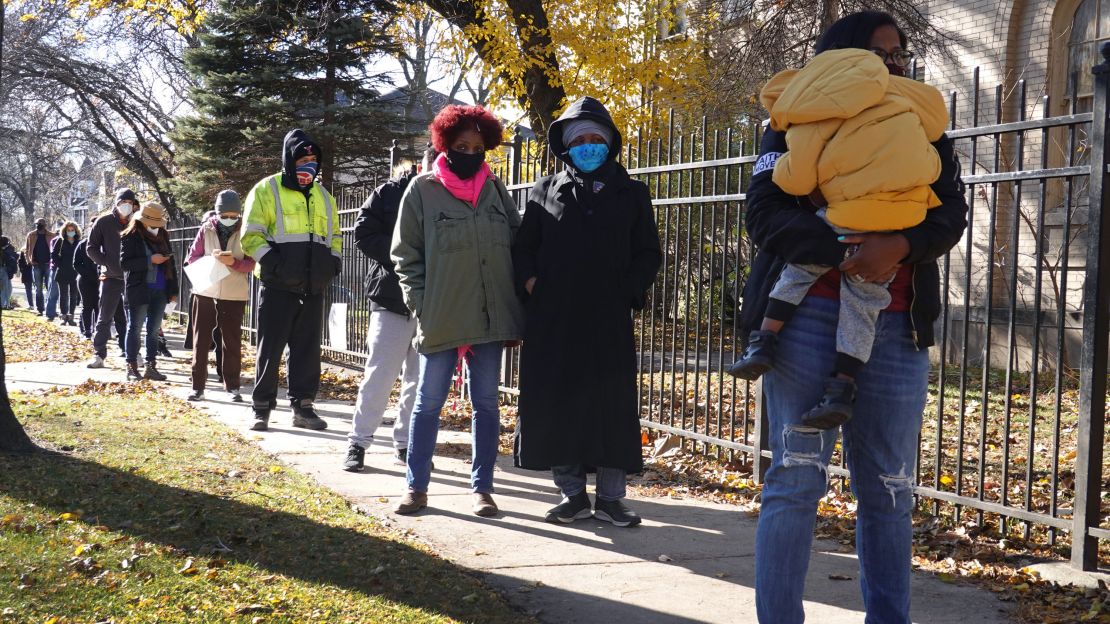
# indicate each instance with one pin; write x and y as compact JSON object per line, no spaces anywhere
{"x":152,"y":215}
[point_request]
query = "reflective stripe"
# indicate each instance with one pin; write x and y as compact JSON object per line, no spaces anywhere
{"x":327,"y":206}
{"x":293,"y":238}
{"x":254,"y":227}
{"x":261,"y":251}
{"x":279,"y":219}
{"x":336,"y":254}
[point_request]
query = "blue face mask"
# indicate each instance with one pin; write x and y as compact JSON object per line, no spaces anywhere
{"x":589,"y":156}
{"x":306,"y":173}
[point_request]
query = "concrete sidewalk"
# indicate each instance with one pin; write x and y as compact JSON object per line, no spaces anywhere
{"x":690,"y":561}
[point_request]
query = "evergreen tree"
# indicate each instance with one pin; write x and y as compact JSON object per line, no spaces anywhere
{"x":267,"y":66}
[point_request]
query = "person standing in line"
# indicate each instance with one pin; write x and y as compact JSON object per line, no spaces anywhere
{"x":27,"y":276}
{"x":63,"y":275}
{"x":390,"y":337}
{"x":291,"y":229}
{"x":88,"y":286}
{"x":586,"y":254}
{"x":38,"y":256}
{"x":222,"y":304}
{"x":104,"y":250}
{"x":151,"y":283}
{"x":7,"y":273}
{"x":451,"y":249}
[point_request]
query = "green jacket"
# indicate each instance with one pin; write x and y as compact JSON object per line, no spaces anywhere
{"x":454,"y":265}
{"x":298,"y":248}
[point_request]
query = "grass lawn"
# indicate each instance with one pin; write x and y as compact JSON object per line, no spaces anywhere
{"x":150,"y":512}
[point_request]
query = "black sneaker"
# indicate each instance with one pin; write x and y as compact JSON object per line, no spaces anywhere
{"x":356,"y":457}
{"x":261,"y":419}
{"x":576,"y":507}
{"x":197,"y":395}
{"x":615,"y":512}
{"x":401,"y":457}
{"x":304,"y":417}
{"x":835,"y":407}
{"x":758,"y":356}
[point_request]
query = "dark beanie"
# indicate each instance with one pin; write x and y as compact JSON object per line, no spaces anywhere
{"x":228,"y":201}
{"x":126,"y":194}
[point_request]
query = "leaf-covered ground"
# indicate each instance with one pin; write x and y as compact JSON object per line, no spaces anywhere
{"x":29,"y":337}
{"x":149,"y":511}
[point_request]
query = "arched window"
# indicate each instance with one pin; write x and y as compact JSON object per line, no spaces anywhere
{"x":1089,"y":29}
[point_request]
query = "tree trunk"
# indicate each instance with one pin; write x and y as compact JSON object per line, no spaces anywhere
{"x":13,"y":439}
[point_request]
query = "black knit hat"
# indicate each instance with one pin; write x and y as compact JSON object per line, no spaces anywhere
{"x":126,"y":194}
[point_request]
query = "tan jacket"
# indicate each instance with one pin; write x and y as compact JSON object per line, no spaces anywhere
{"x":33,"y":238}
{"x":234,"y":287}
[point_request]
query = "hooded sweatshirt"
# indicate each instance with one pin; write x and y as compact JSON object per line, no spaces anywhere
{"x":860,"y":135}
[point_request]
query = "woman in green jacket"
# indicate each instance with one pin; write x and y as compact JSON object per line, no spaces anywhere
{"x":451,"y":246}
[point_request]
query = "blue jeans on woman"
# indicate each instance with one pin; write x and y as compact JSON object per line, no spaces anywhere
{"x":484,"y":366}
{"x":880,"y":446}
{"x":150,"y":314}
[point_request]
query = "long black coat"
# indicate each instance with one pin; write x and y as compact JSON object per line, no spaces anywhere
{"x":594,"y":255}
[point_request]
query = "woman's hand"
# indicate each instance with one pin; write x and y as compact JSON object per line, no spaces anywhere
{"x":225,"y":258}
{"x":158,"y":259}
{"x":530,"y":284}
{"x":877,"y":258}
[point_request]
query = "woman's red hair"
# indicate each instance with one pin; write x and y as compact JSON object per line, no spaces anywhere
{"x":453,"y":120}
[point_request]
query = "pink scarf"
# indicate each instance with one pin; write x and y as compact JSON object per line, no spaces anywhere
{"x":466,"y":190}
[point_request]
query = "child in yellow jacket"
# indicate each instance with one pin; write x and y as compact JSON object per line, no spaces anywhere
{"x":862,"y":139}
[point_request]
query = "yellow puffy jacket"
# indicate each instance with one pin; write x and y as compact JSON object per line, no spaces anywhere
{"x":860,"y":135}
{"x":294,"y":238}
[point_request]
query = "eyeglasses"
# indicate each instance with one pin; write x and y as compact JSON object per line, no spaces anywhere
{"x":901,"y":58}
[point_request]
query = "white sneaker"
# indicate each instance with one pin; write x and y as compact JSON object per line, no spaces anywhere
{"x":96,"y":362}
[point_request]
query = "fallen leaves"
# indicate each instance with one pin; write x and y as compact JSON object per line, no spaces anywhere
{"x":31,"y":338}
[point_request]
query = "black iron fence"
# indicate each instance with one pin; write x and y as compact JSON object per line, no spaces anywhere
{"x":1015,"y":422}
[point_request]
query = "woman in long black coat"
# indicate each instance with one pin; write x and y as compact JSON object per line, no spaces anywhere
{"x":586,"y":253}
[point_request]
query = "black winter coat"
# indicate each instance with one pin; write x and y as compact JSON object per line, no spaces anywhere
{"x":11,"y":261}
{"x":82,"y":263}
{"x":594,"y":255}
{"x":787,"y":229}
{"x":374,"y":235}
{"x":136,"y":263}
{"x":61,"y":260}
{"x":26,"y":272}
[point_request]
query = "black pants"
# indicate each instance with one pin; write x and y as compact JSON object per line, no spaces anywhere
{"x":293,"y":319}
{"x":68,"y":294}
{"x":90,"y":301}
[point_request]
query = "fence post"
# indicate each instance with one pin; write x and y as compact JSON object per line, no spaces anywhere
{"x":1096,"y":337}
{"x":518,"y":145}
{"x":392,"y":157}
{"x":760,"y":464}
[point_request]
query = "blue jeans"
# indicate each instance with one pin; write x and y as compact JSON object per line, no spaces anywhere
{"x":39,"y":275}
{"x":150,"y":314}
{"x":571,"y":480}
{"x":5,"y":289}
{"x":880,"y":446}
{"x":484,"y":365}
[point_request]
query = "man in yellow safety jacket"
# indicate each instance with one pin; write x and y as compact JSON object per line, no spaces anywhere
{"x":291,"y":229}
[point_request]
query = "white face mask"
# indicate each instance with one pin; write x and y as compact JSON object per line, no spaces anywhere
{"x":124,"y":209}
{"x":152,"y":230}
{"x":229,"y":222}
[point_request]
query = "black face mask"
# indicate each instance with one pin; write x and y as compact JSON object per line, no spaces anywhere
{"x":465,"y":165}
{"x":40,"y":227}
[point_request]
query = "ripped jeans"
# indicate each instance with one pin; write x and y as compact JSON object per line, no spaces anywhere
{"x":880,"y":445}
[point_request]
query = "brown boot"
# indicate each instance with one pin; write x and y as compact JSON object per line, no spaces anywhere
{"x":484,"y":505}
{"x":411,"y":502}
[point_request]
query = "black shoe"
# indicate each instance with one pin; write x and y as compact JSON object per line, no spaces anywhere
{"x":758,"y":356}
{"x":615,"y":512}
{"x":197,"y":395}
{"x":835,"y":407}
{"x":133,"y":373}
{"x":401,"y":457}
{"x":356,"y":458}
{"x":151,"y":373}
{"x":576,"y":507}
{"x":261,"y":419}
{"x":304,"y":417}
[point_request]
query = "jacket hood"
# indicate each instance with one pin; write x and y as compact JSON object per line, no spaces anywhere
{"x":297,"y":144}
{"x":585,"y":108}
{"x":840,"y":84}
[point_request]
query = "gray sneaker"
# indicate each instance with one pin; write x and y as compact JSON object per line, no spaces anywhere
{"x":96,"y":362}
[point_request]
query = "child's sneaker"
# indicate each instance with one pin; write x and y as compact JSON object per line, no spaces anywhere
{"x":835,"y":407}
{"x":758,"y":356}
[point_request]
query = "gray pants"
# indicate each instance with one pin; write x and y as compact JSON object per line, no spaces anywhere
{"x":389,"y":342}
{"x":111,"y":297}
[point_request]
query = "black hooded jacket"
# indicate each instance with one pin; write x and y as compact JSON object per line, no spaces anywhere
{"x":591,"y":242}
{"x":297,"y":144}
{"x":374,"y":235}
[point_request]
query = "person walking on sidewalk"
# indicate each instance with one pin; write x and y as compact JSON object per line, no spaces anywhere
{"x":451,"y":249}
{"x":588,"y":235}
{"x":38,"y":256}
{"x":151,"y":283}
{"x":10,"y":260}
{"x":104,"y":250}
{"x":63,"y":275}
{"x":27,"y":276}
{"x":390,"y":338}
{"x":292,"y":231}
{"x":221,"y":304}
{"x":87,"y":285}
{"x":880,"y":442}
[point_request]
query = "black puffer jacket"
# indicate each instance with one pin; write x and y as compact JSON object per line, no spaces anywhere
{"x":82,"y":263}
{"x":373,"y":235}
{"x":134,"y":259}
{"x":787,"y":229}
{"x":61,"y":260}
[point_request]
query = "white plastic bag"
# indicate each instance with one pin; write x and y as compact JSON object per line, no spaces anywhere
{"x":337,"y":326}
{"x":205,"y":271}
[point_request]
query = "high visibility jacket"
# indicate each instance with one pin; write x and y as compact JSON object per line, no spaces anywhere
{"x":293,"y":236}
